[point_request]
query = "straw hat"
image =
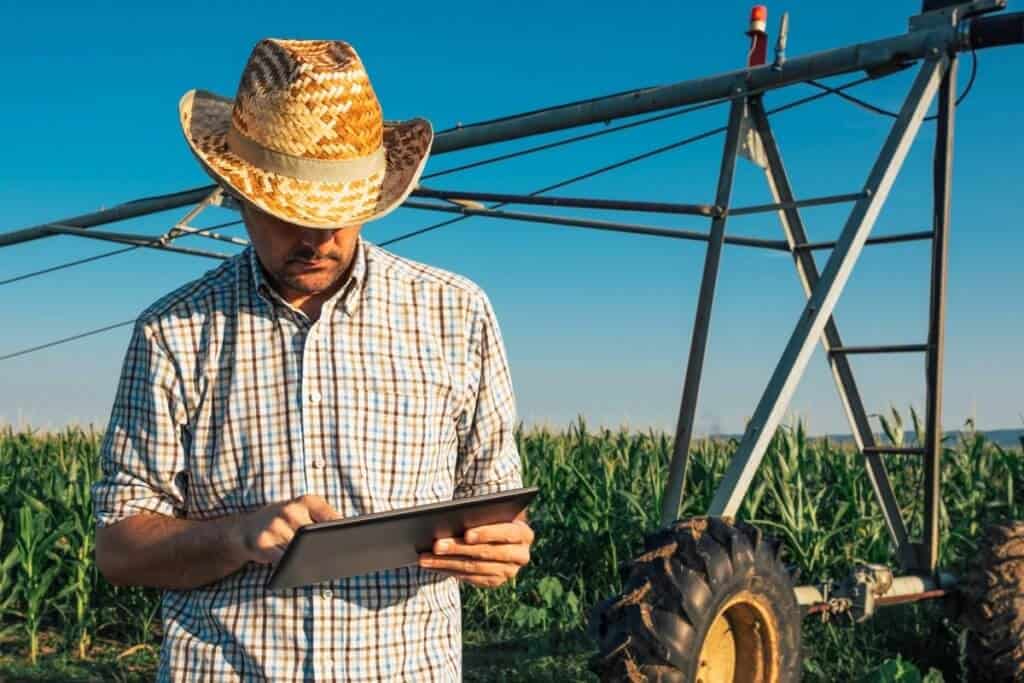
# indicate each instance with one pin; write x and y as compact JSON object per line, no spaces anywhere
{"x":304,"y":139}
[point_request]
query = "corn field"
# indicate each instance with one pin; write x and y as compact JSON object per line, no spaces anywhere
{"x":600,"y":492}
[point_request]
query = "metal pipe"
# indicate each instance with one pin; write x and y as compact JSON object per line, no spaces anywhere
{"x":136,"y":240}
{"x":903,"y":587}
{"x":882,"y":239}
{"x":893,"y":450}
{"x":869,"y":56}
{"x":797,"y":204}
{"x":575,"y":202}
{"x":777,"y":245}
{"x":913,"y":597}
{"x":133,"y":209}
{"x":1005,"y":29}
{"x":892,"y":348}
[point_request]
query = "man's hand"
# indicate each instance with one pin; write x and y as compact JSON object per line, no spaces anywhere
{"x":488,"y":556}
{"x":263,"y":534}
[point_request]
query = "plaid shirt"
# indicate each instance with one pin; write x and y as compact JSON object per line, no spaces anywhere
{"x":231,"y":399}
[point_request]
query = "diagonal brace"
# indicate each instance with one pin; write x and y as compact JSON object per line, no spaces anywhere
{"x":842,"y":372}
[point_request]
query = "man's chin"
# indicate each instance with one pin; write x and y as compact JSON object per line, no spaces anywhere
{"x":310,"y":284}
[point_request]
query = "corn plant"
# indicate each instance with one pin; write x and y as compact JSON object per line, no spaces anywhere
{"x":39,"y":566}
{"x":71,"y":490}
{"x":8,"y":589}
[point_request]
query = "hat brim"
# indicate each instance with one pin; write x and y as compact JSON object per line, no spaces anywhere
{"x":205,"y":120}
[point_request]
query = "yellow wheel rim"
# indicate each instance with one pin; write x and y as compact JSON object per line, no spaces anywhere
{"x":742,"y":645}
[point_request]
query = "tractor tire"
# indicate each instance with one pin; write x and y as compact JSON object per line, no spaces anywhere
{"x":709,"y":601}
{"x":994,"y":605}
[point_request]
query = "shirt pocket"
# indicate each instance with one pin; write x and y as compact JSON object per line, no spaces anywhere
{"x":407,"y":446}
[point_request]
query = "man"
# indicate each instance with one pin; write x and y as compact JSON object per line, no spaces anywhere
{"x":313,"y":376}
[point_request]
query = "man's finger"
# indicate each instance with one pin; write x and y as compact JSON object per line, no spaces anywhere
{"x":296,"y":514}
{"x":319,"y":509}
{"x":480,"y":580}
{"x":467,"y":565}
{"x":508,"y":532}
{"x":518,"y":553}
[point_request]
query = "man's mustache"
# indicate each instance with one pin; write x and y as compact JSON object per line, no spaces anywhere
{"x":307,"y":253}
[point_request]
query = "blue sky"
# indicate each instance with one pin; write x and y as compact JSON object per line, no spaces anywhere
{"x":594,"y":323}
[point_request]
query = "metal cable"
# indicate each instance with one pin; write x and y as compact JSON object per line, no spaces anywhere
{"x":68,"y":264}
{"x":65,"y":340}
{"x":864,"y":104}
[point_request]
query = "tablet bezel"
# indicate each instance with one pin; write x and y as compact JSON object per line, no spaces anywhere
{"x":527,"y":494}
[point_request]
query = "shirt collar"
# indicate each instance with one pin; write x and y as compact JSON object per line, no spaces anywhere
{"x":348,"y":295}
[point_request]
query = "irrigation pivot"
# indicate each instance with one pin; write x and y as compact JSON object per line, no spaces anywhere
{"x":711,"y":598}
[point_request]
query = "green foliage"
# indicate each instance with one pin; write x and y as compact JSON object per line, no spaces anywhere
{"x":600,"y":492}
{"x":899,"y":671}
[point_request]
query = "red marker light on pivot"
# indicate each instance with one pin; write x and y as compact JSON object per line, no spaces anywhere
{"x":758,"y":20}
{"x":758,"y":33}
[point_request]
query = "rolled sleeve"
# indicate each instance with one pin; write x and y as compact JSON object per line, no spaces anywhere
{"x":488,"y":459}
{"x":142,"y":456}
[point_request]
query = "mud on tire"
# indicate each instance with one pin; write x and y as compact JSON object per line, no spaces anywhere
{"x":707,"y":598}
{"x":994,"y":605}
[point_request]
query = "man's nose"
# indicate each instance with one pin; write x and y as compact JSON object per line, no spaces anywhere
{"x":315,"y":237}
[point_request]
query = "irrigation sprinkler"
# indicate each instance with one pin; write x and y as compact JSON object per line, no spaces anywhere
{"x":711,"y":599}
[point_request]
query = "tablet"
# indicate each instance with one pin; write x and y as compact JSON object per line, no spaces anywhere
{"x":341,"y":548}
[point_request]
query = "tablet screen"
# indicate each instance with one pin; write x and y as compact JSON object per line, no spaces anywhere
{"x":351,"y":546}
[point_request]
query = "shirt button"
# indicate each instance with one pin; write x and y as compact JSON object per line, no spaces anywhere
{"x":314,"y":396}
{"x":320,"y":462}
{"x":327,"y":593}
{"x":328,"y":664}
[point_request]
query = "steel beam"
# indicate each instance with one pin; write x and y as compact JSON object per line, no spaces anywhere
{"x":884,"y":348}
{"x":894,"y":450}
{"x":135,"y":240}
{"x":777,"y":245}
{"x":881,"y":239}
{"x":575,"y":202}
{"x":869,"y":56}
{"x":702,"y":321}
{"x":839,"y":365}
{"x":943,"y":179}
{"x":826,"y":293}
{"x":796,"y":204}
{"x":133,"y":209}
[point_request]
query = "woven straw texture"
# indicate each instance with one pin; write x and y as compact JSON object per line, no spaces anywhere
{"x":311,"y":100}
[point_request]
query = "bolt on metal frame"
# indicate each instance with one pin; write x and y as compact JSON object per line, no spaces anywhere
{"x":935,"y":39}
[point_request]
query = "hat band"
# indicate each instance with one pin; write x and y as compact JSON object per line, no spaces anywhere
{"x":314,"y":170}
